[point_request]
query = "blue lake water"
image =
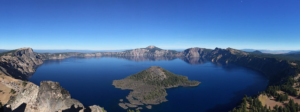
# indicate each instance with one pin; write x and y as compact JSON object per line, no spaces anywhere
{"x":90,"y":81}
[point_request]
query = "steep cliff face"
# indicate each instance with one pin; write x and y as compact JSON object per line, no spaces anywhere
{"x":20,"y":63}
{"x":49,"y":97}
{"x":195,"y":52}
{"x":273,"y":68}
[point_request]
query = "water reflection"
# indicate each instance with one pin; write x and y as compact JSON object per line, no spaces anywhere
{"x":58,"y":61}
{"x":193,"y":60}
{"x":189,"y":60}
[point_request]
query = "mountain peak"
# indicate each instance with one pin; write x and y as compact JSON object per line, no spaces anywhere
{"x":25,"y":48}
{"x":155,"y":73}
{"x":151,"y":47}
{"x":25,"y":51}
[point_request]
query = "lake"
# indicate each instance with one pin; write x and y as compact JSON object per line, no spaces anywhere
{"x":89,"y":80}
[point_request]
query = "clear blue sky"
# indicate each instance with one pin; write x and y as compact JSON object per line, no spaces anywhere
{"x":169,"y":24}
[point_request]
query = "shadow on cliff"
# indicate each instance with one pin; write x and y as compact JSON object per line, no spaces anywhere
{"x":10,"y":71}
{"x":238,"y":97}
{"x":73,"y":109}
{"x":21,"y":108}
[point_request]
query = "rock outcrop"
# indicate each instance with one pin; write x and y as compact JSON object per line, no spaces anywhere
{"x":49,"y":97}
{"x":28,"y":96}
{"x":96,"y":108}
{"x":52,"y":97}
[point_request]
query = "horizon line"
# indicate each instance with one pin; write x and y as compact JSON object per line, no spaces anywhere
{"x":163,"y":48}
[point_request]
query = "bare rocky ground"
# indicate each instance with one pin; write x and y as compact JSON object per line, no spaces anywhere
{"x":49,"y":97}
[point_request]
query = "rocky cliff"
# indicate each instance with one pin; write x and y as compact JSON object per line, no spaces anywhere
{"x":195,"y":52}
{"x":275,"y":69}
{"x":20,"y":63}
{"x":49,"y":97}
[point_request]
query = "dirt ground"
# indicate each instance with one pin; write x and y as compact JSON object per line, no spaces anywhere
{"x":265,"y":100}
{"x":5,"y":95}
{"x":5,"y":91}
{"x":294,"y":64}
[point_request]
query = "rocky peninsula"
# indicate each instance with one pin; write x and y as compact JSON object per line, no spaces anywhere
{"x":149,"y":86}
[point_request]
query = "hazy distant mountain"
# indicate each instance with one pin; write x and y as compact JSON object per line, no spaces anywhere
{"x":247,"y":50}
{"x":294,"y":52}
{"x":179,"y":50}
{"x":257,"y":52}
{"x":268,"y":51}
{"x":3,"y":50}
{"x":80,"y":51}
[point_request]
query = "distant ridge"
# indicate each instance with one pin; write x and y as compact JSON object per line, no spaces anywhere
{"x":268,"y":51}
{"x":80,"y":51}
{"x":257,"y":52}
{"x":3,"y":50}
{"x":294,"y":52}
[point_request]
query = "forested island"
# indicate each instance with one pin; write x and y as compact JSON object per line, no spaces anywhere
{"x":149,"y":86}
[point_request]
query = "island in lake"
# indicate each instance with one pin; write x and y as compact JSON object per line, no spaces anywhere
{"x":149,"y":87}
